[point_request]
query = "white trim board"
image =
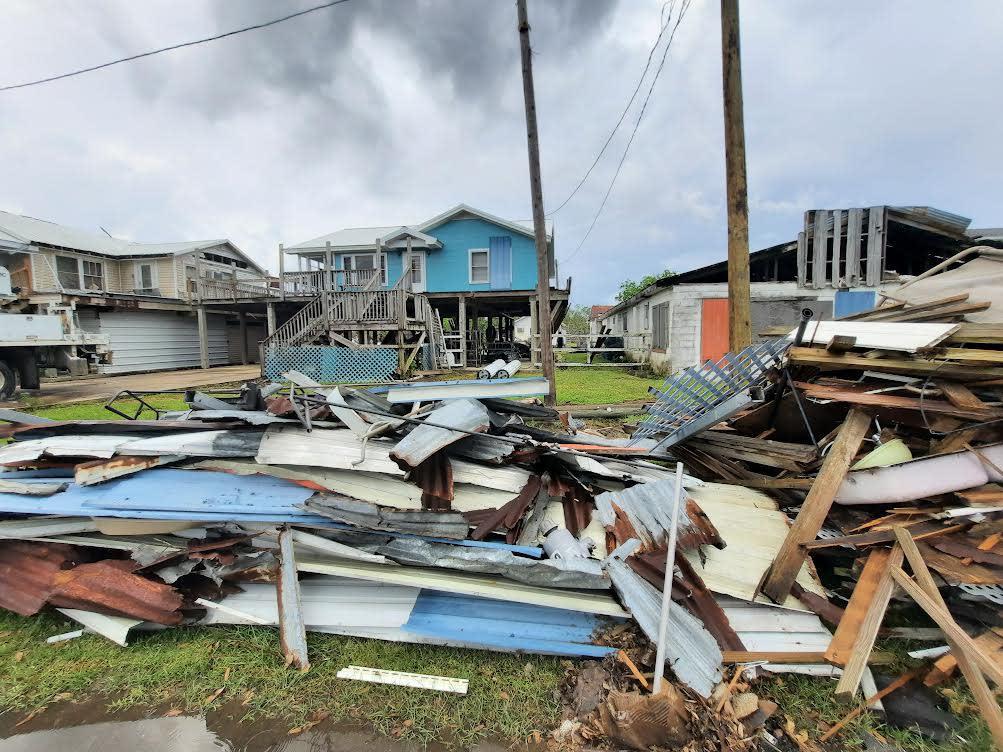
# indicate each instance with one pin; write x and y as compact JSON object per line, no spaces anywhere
{"x":883,"y":335}
{"x":470,"y":266}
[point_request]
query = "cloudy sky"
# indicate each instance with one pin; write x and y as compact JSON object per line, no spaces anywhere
{"x":390,"y":111}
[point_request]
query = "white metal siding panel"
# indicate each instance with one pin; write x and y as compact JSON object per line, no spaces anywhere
{"x":159,"y":340}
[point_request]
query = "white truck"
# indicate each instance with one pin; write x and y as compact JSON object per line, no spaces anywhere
{"x":29,"y":342}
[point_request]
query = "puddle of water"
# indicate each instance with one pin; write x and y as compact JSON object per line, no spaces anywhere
{"x":192,"y":734}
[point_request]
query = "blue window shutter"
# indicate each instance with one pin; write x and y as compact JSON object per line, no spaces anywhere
{"x":501,"y":262}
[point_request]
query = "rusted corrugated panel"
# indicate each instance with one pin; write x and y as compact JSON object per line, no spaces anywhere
{"x":98,"y":471}
{"x":27,"y":571}
{"x":510,"y":515}
{"x":110,"y":587}
{"x":33,"y":574}
{"x":434,"y":477}
{"x":644,"y":512}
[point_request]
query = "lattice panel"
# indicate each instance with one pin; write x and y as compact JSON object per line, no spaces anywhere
{"x":330,"y":365}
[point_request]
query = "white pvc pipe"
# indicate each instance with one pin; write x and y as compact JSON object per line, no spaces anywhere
{"x":511,"y":369}
{"x":670,"y":565}
{"x":491,"y":369}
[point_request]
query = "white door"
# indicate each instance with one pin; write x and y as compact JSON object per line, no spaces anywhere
{"x":418,"y":271}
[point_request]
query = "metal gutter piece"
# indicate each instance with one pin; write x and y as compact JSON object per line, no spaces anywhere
{"x":402,"y":679}
{"x":292,"y":628}
{"x":466,"y":584}
{"x":328,"y":547}
{"x":425,"y":440}
{"x":115,"y":628}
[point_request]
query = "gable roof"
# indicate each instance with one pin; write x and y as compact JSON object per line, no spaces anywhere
{"x":29,"y":231}
{"x":366,"y":238}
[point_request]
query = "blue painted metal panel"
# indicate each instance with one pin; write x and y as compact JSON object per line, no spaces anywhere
{"x":500,"y":258}
{"x":173,"y":494}
{"x":848,"y":302}
{"x":449,"y":267}
{"x":501,"y":625}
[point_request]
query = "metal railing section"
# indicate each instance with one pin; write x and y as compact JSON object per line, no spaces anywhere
{"x":703,"y":395}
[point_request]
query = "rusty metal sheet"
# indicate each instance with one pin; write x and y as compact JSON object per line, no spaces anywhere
{"x":98,"y":471}
{"x":434,"y":476}
{"x":510,"y":515}
{"x":33,"y":574}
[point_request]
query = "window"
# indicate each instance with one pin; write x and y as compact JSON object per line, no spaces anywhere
{"x":145,"y":277}
{"x":479,"y":270}
{"x":93,"y":274}
{"x":416,"y":269}
{"x":644,"y":325}
{"x":68,"y":272}
{"x":360,"y":265}
{"x":191,"y":278}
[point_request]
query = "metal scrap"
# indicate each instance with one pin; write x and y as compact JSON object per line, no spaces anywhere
{"x":362,"y":514}
{"x":424,"y":440}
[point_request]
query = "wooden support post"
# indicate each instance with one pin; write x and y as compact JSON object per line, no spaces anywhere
{"x":282,"y":272}
{"x":739,"y":293}
{"x":781,"y":575}
{"x":270,"y":312}
{"x":534,"y":337}
{"x":461,"y":323}
{"x":536,"y":191}
{"x":198,"y":277}
{"x":203,"y":327}
{"x":326,"y":285}
{"x":242,"y":318}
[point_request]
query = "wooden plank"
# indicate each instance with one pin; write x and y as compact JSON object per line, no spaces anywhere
{"x":856,"y":662}
{"x":854,"y":397}
{"x":841,"y":646}
{"x":841,"y":343}
{"x":950,"y":628}
{"x":967,"y":332}
{"x":816,"y":356}
{"x":920,"y":531}
{"x":820,"y":238}
{"x":837,"y":242}
{"x":781,"y":574}
{"x":802,"y":258}
{"x":875,"y":245}
{"x":739,"y":453}
{"x":802,"y":484}
{"x":882,"y":314}
{"x":866,"y":315}
{"x":971,"y":553}
{"x":958,"y":309}
{"x":960,"y":395}
{"x":853,"y":226}
{"x":345,"y":341}
{"x":970,"y":355}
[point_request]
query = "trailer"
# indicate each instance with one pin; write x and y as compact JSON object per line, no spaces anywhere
{"x":32,"y":341}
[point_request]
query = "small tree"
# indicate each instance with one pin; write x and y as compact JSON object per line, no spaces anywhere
{"x":576,"y":320}
{"x":629,"y":288}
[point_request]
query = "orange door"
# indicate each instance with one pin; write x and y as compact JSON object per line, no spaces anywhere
{"x":714,"y":329}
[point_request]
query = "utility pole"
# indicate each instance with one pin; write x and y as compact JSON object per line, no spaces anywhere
{"x":539,"y":225}
{"x":739,"y":294}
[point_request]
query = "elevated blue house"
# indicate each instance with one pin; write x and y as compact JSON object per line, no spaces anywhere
{"x":467,"y":264}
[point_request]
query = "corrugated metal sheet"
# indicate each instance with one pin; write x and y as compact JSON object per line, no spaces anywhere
{"x":429,"y":391}
{"x":584,"y":574}
{"x":425,"y":440}
{"x":754,"y":528}
{"x":372,"y":517}
{"x":465,"y":584}
{"x":691,"y":651}
{"x":502,"y":625}
{"x":340,"y":449}
{"x":647,"y":515}
{"x":155,"y":340}
{"x":173,"y":494}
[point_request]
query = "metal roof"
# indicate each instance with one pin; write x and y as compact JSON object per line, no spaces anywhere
{"x":29,"y":230}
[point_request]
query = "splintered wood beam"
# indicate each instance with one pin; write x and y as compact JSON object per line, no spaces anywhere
{"x":842,"y":643}
{"x":863,"y":642}
{"x":777,"y":582}
{"x":816,"y":356}
{"x":967,"y":664}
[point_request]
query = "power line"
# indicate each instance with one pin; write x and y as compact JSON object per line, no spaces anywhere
{"x":630,"y":102}
{"x":192,"y":43}
{"x":682,"y":12}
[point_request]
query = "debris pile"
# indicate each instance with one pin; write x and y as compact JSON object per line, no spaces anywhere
{"x":441,"y":513}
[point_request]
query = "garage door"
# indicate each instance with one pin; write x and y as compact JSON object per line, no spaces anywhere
{"x":156,"y":340}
